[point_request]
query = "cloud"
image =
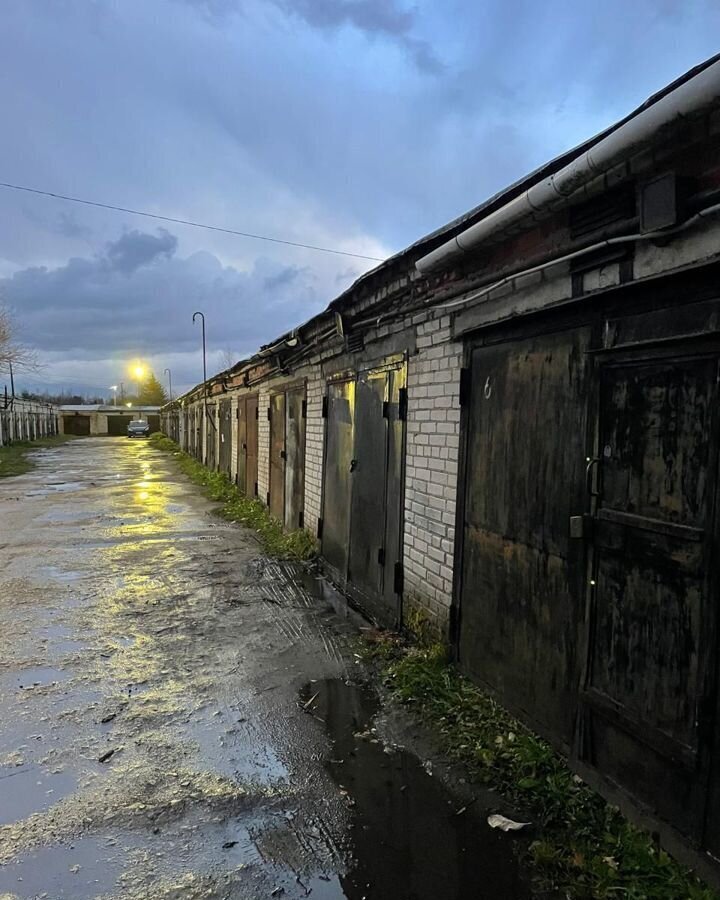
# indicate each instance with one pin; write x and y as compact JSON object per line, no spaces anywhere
{"x":137,"y":248}
{"x":139,"y":299}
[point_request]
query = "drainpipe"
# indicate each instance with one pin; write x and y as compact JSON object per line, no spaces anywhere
{"x":543,"y":198}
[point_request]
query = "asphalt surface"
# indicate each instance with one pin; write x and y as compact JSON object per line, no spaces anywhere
{"x":181,"y":717}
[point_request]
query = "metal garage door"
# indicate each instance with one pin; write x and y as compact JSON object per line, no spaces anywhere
{"x":362,"y":497}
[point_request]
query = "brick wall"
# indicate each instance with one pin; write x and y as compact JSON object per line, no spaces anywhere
{"x":314,"y":441}
{"x":433,"y":440}
{"x":263,"y":442}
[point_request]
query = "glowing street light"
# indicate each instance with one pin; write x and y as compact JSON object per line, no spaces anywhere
{"x":139,"y":374}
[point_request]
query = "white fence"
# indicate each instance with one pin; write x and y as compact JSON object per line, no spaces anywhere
{"x":26,"y":420}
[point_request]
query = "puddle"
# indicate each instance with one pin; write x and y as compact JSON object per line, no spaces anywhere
{"x":29,"y":789}
{"x":37,"y":677}
{"x":234,"y":750}
{"x":407,"y":841}
{"x":81,"y":870}
{"x":57,"y":574}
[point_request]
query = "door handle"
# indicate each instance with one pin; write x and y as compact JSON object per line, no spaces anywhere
{"x":353,"y":465}
{"x":591,"y":463}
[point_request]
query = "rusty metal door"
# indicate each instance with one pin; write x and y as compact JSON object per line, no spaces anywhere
{"x":251,"y":457}
{"x":241,"y":467}
{"x":211,"y":432}
{"x":225,"y":437}
{"x":367,"y":507}
{"x":276,"y":500}
{"x":649,"y":681}
{"x":295,"y":458}
{"x":522,"y":579}
{"x":336,"y":490}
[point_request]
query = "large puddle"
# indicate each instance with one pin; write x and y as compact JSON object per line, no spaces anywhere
{"x":408,"y":840}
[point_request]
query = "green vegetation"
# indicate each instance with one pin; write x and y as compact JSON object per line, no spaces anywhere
{"x":236,"y":507}
{"x":14,"y":458}
{"x":584,"y":848}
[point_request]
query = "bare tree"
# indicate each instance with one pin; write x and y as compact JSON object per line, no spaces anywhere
{"x":14,"y":354}
{"x":227,"y":359}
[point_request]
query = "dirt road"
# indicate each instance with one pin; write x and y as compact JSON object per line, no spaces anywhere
{"x":182,"y":717}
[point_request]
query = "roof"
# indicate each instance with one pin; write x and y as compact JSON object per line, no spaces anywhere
{"x":424,"y":244}
{"x":100,"y":407}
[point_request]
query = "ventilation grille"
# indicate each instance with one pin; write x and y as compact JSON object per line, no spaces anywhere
{"x":355,"y":342}
{"x":602,"y":211}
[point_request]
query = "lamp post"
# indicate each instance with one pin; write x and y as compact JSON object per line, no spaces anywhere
{"x":113,"y":388}
{"x":205,"y":412}
{"x":169,"y":375}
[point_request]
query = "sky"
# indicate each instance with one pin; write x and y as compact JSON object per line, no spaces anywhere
{"x":358,"y":125}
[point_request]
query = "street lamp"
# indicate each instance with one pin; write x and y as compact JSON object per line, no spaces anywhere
{"x":139,"y":374}
{"x":169,"y":375}
{"x":113,"y":388}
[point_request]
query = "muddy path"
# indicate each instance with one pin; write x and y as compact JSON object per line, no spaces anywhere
{"x":157,"y":738}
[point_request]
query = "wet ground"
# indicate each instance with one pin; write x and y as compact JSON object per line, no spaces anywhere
{"x":181,"y":717}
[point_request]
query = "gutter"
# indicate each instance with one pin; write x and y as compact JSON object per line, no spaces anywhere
{"x":537,"y":202}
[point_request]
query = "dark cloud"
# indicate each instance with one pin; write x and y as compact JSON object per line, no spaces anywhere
{"x":375,"y":18}
{"x":88,"y":306}
{"x":137,"y":248}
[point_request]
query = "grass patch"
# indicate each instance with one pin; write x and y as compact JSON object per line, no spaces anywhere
{"x":236,"y":507}
{"x":585,"y":848}
{"x":14,"y":458}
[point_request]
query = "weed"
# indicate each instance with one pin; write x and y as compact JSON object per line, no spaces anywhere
{"x":587,"y":849}
{"x":236,"y":507}
{"x":14,"y":459}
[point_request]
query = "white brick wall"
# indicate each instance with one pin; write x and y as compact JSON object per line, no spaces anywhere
{"x":433,"y":440}
{"x":263,"y":442}
{"x":314,"y":441}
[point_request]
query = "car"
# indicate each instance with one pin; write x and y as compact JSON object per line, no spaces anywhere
{"x":138,"y":428}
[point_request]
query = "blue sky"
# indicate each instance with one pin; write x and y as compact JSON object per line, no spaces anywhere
{"x":356,"y":124}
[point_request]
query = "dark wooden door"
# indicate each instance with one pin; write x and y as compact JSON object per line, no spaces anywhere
{"x":368,"y":469}
{"x":276,"y":501}
{"x":522,"y":579}
{"x":225,"y":437}
{"x":649,"y":682}
{"x":251,"y":456}
{"x":394,"y":497}
{"x":211,"y":438}
{"x":336,"y":487}
{"x":294,"y":457}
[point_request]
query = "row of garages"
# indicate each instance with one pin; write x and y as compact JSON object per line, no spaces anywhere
{"x":95,"y":420}
{"x":26,"y":420}
{"x":511,"y":430}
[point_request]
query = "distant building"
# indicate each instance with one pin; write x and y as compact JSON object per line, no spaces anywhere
{"x":97,"y":419}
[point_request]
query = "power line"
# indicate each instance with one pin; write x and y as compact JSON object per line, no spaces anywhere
{"x":148,"y":215}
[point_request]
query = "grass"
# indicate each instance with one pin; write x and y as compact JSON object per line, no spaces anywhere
{"x":585,"y":848}
{"x":236,"y":507}
{"x":14,"y":458}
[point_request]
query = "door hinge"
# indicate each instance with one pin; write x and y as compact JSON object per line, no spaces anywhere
{"x":301,"y":519}
{"x":465,"y":381}
{"x":399,"y":579}
{"x":386,"y":409}
{"x":381,"y":556}
{"x":304,"y":409}
{"x":402,"y":404}
{"x":319,"y":528}
{"x":325,"y":407}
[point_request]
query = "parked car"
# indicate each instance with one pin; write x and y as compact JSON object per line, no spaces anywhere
{"x":139,"y":428}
